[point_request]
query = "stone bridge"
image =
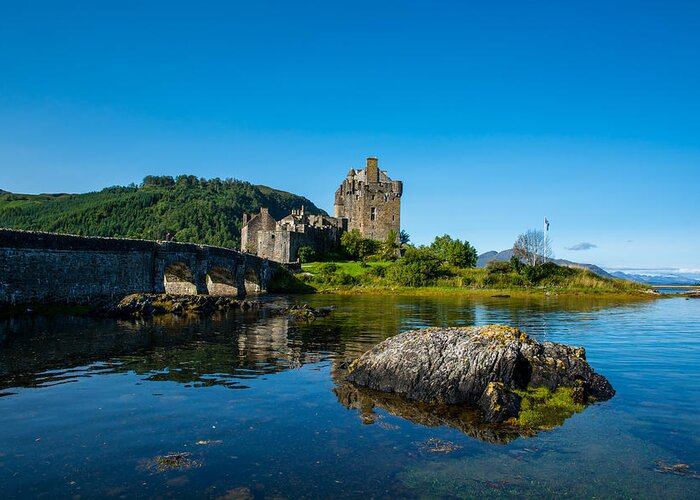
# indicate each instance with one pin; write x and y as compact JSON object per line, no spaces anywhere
{"x":49,"y":267}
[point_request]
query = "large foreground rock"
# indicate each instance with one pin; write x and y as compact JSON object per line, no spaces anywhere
{"x":477,"y":366}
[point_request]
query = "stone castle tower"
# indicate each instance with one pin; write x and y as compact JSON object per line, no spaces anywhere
{"x":367,"y":200}
{"x":370,"y":202}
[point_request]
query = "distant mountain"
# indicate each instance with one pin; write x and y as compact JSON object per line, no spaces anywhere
{"x":591,"y":267}
{"x":487,"y":257}
{"x":656,"y":280}
{"x":205,"y":211}
{"x":506,"y":255}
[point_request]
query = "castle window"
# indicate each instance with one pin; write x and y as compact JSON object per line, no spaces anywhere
{"x":372,"y":213}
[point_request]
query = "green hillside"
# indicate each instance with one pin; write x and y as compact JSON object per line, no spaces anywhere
{"x":194,"y":210}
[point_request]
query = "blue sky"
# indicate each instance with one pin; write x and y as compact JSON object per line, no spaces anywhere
{"x":494,"y":114}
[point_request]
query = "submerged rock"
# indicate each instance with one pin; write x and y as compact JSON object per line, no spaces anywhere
{"x":489,"y":367}
{"x":308,"y":313}
{"x":144,"y":305}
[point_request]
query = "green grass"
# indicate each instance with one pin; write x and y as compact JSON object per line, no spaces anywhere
{"x":353,"y":268}
{"x":374,"y":277}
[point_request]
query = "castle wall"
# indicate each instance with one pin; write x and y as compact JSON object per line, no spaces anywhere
{"x":321,"y":240}
{"x":250,"y":232}
{"x":282,"y":245}
{"x":268,"y":245}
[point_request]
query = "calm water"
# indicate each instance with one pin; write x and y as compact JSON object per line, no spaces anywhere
{"x":86,"y":405}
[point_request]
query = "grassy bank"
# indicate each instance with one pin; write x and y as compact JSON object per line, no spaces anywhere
{"x":381,"y":277}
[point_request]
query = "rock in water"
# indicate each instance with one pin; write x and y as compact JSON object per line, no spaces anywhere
{"x":478,"y":366}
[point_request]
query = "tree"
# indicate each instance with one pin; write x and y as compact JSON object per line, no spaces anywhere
{"x":351,"y":242}
{"x":356,"y":246}
{"x":389,"y":246}
{"x":530,"y":247}
{"x":404,"y":238}
{"x":456,"y":253}
{"x":158,"y":180}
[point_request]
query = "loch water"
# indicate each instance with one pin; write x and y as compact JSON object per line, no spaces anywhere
{"x":254,"y":406}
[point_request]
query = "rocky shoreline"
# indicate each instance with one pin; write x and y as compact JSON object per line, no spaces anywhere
{"x":140,"y":306}
{"x":144,"y":305}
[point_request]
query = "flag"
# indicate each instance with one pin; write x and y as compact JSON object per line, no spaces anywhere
{"x":546,"y":223}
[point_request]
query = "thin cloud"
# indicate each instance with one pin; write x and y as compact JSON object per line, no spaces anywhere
{"x":584,"y":245}
{"x":658,"y":270}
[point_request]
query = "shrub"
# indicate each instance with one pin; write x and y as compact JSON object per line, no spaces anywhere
{"x":516,"y":264}
{"x":327,"y":268}
{"x":535,"y":274}
{"x":343,"y":278}
{"x":498,"y":266}
{"x":377,"y":271}
{"x":306,"y":254}
{"x":418,"y":267}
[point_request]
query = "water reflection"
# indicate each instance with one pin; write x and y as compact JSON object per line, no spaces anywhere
{"x":466,"y":420}
{"x":231,"y":348}
{"x":225,"y":350}
{"x":87,"y":401}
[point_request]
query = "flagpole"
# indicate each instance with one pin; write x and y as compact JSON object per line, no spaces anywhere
{"x":544,"y":255}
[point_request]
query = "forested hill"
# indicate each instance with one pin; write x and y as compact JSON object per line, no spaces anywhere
{"x":194,"y":210}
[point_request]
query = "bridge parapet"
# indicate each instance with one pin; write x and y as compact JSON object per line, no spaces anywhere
{"x":50,"y":267}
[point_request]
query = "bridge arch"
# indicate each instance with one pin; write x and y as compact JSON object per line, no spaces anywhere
{"x":178,"y":279}
{"x":251,"y":280}
{"x":221,"y":281}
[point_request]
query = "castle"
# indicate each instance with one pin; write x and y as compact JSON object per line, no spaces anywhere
{"x":367,"y":200}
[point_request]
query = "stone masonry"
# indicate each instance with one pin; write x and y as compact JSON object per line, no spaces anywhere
{"x":48,"y":267}
{"x":281,"y":240}
{"x":370,"y":201}
{"x":367,"y":200}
